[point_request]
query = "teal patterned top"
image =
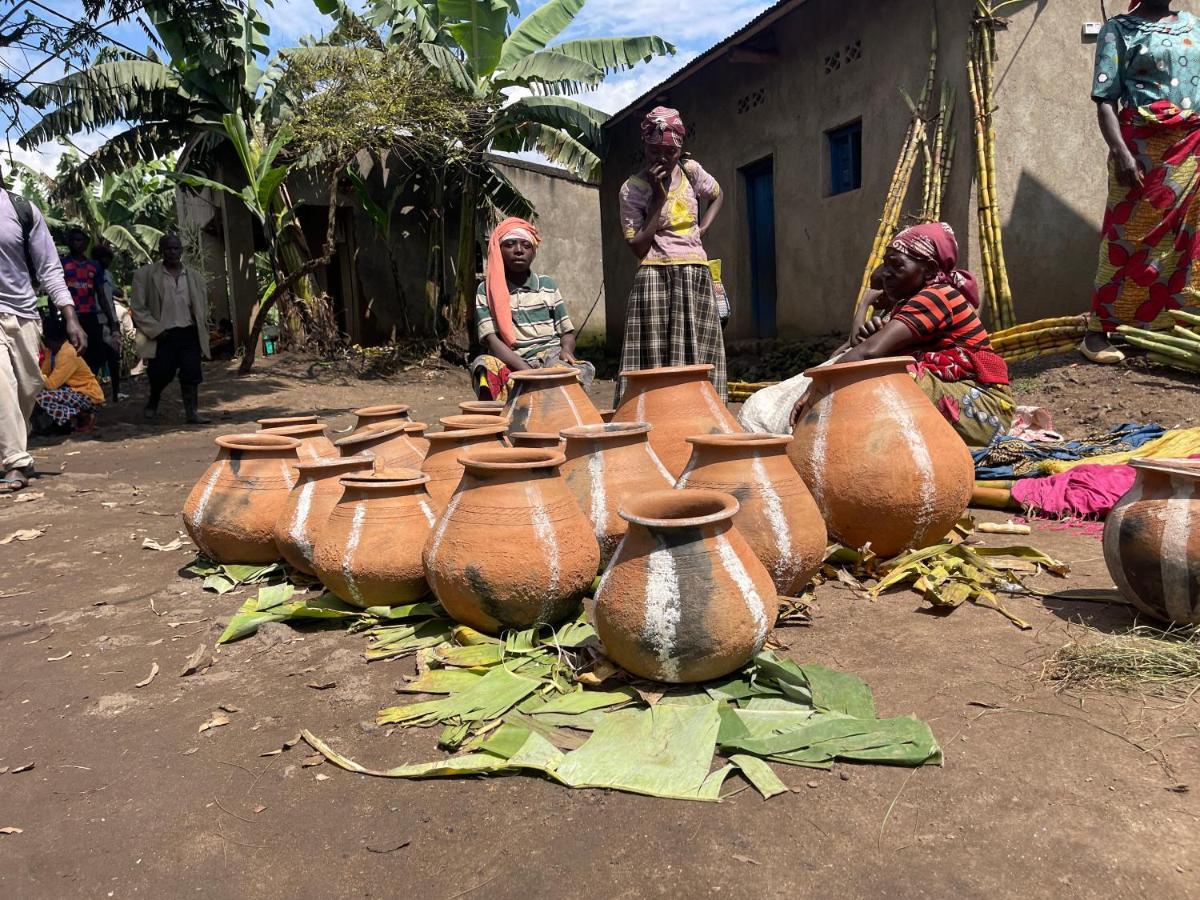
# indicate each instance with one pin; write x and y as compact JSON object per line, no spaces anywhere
{"x":1139,"y":62}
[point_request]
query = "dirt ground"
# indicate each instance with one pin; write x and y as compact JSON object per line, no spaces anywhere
{"x":1041,"y":794}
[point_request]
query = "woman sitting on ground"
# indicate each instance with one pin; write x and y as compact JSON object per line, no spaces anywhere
{"x":520,"y":316}
{"x":930,"y":312}
{"x":72,"y":392}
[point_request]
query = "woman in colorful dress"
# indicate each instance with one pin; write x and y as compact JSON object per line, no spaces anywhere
{"x":1147,"y":93}
{"x":930,"y":310}
{"x":671,"y":318}
{"x":72,"y":392}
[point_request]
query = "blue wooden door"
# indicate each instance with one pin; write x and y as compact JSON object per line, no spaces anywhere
{"x":760,"y":213}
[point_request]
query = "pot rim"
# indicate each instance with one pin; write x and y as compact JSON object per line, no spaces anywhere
{"x":511,"y":459}
{"x":373,"y":433}
{"x":386,"y":478}
{"x":553,"y":373}
{"x":496,"y":407}
{"x":606,"y":431}
{"x":668,"y":370}
{"x":388,"y":409}
{"x":890,"y":365}
{"x":452,"y":423}
{"x":310,"y":430}
{"x":648,"y":509}
{"x":1188,"y":468}
{"x":741,"y":439}
{"x":257,"y":442}
{"x":319,"y":465}
{"x":486,"y":431}
{"x":285,"y":421}
{"x":535,"y":436}
{"x":417,"y":428}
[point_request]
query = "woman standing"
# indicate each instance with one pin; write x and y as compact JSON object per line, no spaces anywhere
{"x":671,"y":318}
{"x":1147,"y":93}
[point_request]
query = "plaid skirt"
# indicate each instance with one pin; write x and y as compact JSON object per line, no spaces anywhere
{"x":64,"y":404}
{"x":671,"y":320}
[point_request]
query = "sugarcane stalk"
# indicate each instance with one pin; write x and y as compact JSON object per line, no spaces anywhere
{"x":1164,"y":360}
{"x":1165,"y":349}
{"x":1053,"y":330}
{"x":1180,"y":331}
{"x":989,"y":53}
{"x":1040,"y":324}
{"x":1039,"y":352}
{"x":1180,"y":315}
{"x":973,"y":85}
{"x":1158,"y":337}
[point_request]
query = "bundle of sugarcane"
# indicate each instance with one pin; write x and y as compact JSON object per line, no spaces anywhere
{"x":1004,"y":335}
{"x":1016,"y":356}
{"x":1179,"y":347}
{"x":939,"y":156}
{"x":741,"y":391}
{"x":893,"y":205}
{"x":1044,"y":337}
{"x":980,"y":58}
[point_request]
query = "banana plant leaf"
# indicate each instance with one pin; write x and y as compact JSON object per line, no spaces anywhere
{"x":489,"y":698}
{"x":760,"y":774}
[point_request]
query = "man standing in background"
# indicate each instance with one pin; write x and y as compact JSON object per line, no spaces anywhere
{"x":26,"y":252}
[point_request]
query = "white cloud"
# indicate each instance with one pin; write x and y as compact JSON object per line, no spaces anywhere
{"x":695,"y":24}
{"x":622,"y":88}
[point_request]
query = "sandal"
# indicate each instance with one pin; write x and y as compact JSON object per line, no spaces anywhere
{"x":15,"y":480}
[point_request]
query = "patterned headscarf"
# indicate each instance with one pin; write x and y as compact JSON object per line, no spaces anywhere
{"x":936,"y":243}
{"x":663,"y":127}
{"x":499,"y":299}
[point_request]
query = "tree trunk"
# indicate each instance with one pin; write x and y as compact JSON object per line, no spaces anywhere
{"x":457,"y":343}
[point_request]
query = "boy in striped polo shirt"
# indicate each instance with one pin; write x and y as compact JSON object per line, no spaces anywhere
{"x":520,"y":316}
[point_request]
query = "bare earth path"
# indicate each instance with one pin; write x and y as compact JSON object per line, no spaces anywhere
{"x":1041,"y":795}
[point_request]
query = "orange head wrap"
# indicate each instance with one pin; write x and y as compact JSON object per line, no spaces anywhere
{"x":499,"y":299}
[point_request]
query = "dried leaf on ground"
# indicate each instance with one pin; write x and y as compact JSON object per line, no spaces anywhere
{"x":28,"y":496}
{"x":58,"y":658}
{"x":200,"y":660}
{"x":176,"y":543}
{"x":149,"y":678}
{"x":309,"y":761}
{"x":229,"y":708}
{"x":321,"y":686}
{"x":259,"y":809}
{"x":24,"y":768}
{"x":26,"y":534}
{"x":11,"y":829}
{"x":215,"y":722}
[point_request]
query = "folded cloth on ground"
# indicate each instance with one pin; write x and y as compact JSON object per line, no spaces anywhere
{"x":1034,"y":423}
{"x":1014,"y":457}
{"x":1179,"y":444}
{"x":1089,"y":490}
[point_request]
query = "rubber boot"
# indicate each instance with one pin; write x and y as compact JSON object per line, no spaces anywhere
{"x":151,"y":410}
{"x":191,"y":403}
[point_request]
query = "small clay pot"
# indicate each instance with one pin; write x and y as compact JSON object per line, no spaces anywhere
{"x":884,"y":466}
{"x":465,"y":422}
{"x":512,"y":549}
{"x":777,"y":516}
{"x":533,"y":440}
{"x":684,"y":599}
{"x":442,"y":464}
{"x":1152,"y":541}
{"x":393,"y":446}
{"x":607,"y":465}
{"x":369,"y":552}
{"x":482,"y":407}
{"x":546,"y":401}
{"x":679,"y":401}
{"x":380,"y":415}
{"x":309,"y":504}
{"x":231,"y":512}
{"x":313,"y":443}
{"x":285,"y":421}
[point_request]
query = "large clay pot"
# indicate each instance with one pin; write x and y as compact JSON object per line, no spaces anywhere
{"x":512,"y":549}
{"x":369,"y":552}
{"x":679,"y":401}
{"x":442,"y":463}
{"x":285,"y":421}
{"x":309,"y":504}
{"x":548,"y":400}
{"x":391,"y":414}
{"x":482,"y":407}
{"x":684,"y":599}
{"x":465,"y":422}
{"x":393,"y":446}
{"x":231,"y":512}
{"x":416,"y":434}
{"x":313,"y":443}
{"x":607,"y":465}
{"x":778,"y":516}
{"x":883,"y":465}
{"x":1152,"y":541}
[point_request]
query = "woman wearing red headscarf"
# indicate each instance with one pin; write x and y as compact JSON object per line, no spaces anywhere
{"x":671,"y":318}
{"x":930,"y":312}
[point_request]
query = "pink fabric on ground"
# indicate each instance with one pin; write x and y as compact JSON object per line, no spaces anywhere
{"x":1089,"y":491}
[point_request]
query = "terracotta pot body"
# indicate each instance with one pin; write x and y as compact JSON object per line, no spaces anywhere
{"x":546,"y":401}
{"x":778,"y":517}
{"x":393,"y":446}
{"x":369,"y":551}
{"x":416,"y":434}
{"x":533,"y":440}
{"x":883,"y":465}
{"x":309,"y":504}
{"x":1152,"y":541}
{"x":684,"y":599}
{"x":442,"y":461}
{"x":313,"y":443}
{"x":380,"y":415}
{"x":231,"y":512}
{"x":466,"y":422}
{"x":512,"y":548}
{"x":285,"y":421}
{"x":606,"y":466}
{"x":679,"y":401}
{"x":482,"y":407}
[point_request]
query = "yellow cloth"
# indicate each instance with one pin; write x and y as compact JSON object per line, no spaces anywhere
{"x":1178,"y":444}
{"x":70,"y":370}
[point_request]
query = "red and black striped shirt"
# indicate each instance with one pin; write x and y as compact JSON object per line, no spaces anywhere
{"x":941,"y":317}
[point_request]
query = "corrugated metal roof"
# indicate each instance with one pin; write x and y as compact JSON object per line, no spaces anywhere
{"x":767,"y":17}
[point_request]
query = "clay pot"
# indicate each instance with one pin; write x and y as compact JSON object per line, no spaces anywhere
{"x":313,"y":443}
{"x":369,"y":552}
{"x":442,"y":461}
{"x":679,"y":401}
{"x":1152,"y":541}
{"x":285,"y":421}
{"x":392,"y":445}
{"x":684,"y":599}
{"x":512,"y":549}
{"x":231,"y":512}
{"x":416,"y":434}
{"x":606,"y":466}
{"x":482,"y":407}
{"x":309,"y":504}
{"x":546,"y":401}
{"x":533,"y":440}
{"x":777,"y":515}
{"x":380,"y":415}
{"x":883,"y":465}
{"x":465,"y":422}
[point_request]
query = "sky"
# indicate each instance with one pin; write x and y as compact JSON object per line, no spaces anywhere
{"x":692,"y":25}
